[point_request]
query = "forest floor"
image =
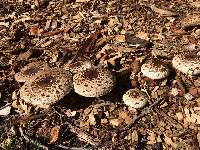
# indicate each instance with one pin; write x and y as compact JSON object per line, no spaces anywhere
{"x":118,"y":34}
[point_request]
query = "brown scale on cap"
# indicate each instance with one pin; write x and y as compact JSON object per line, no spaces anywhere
{"x":135,"y":98}
{"x":78,"y":66}
{"x":190,"y":21}
{"x":155,"y":69}
{"x":30,"y":70}
{"x":187,"y":63}
{"x":47,"y":88}
{"x":94,"y":82}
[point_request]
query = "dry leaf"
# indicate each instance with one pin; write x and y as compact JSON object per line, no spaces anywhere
{"x":151,"y":137}
{"x":179,"y":116}
{"x":120,"y":38}
{"x":46,"y":43}
{"x":169,"y":141}
{"x":5,"y":111}
{"x":162,"y":11}
{"x":124,"y":117}
{"x":195,"y":4}
{"x":54,"y":134}
{"x":188,"y":96}
{"x":114,"y":122}
{"x":35,"y":31}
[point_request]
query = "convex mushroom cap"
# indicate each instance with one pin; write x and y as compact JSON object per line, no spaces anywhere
{"x":187,"y":63}
{"x":78,"y":66}
{"x":135,"y":98}
{"x":155,"y":69}
{"x":190,"y":21}
{"x":47,"y":87}
{"x":93,"y":82}
{"x":30,"y":70}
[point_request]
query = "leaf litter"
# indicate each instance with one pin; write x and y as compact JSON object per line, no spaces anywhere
{"x":119,"y":35}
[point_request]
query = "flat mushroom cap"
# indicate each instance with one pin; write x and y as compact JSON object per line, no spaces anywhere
{"x":30,"y":70}
{"x":187,"y":63}
{"x":155,"y":69}
{"x":47,"y":87}
{"x":78,"y":66}
{"x":135,"y":98}
{"x":190,"y":21}
{"x":94,"y":82}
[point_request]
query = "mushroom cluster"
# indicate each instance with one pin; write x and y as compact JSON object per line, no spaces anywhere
{"x":45,"y":86}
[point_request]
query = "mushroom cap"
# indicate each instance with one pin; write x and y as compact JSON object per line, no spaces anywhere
{"x":78,"y":66}
{"x":30,"y":70}
{"x":94,"y":82}
{"x":187,"y":63}
{"x":155,"y":69}
{"x":47,"y":87}
{"x":190,"y":21}
{"x":135,"y":98}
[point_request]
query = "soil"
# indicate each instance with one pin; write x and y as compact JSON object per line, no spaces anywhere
{"x":119,"y":35}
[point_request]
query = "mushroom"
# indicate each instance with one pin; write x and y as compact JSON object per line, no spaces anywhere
{"x":135,"y":98}
{"x":155,"y":69}
{"x":78,"y":66}
{"x":187,"y":63}
{"x":94,"y":82}
{"x":47,"y":87}
{"x":190,"y":21}
{"x":30,"y":70}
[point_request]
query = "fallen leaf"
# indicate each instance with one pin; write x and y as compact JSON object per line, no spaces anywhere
{"x":54,"y":134}
{"x":35,"y":31}
{"x":5,"y":111}
{"x":195,"y":4}
{"x":120,"y":38}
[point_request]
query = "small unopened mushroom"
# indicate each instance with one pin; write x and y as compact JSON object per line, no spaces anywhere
{"x":47,"y":87}
{"x":30,"y":70}
{"x":93,"y":82}
{"x":155,"y":69}
{"x":78,"y":66}
{"x":190,"y":21}
{"x":187,"y":63}
{"x":135,"y":98}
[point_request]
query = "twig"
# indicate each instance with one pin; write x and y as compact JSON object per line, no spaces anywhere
{"x":143,"y":113}
{"x":70,"y":148}
{"x":31,"y":140}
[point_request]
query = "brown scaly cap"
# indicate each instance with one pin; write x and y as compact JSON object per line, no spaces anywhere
{"x":187,"y":63}
{"x":30,"y":70}
{"x":94,"y":82}
{"x":155,"y":69}
{"x":135,"y":98}
{"x":47,"y":87}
